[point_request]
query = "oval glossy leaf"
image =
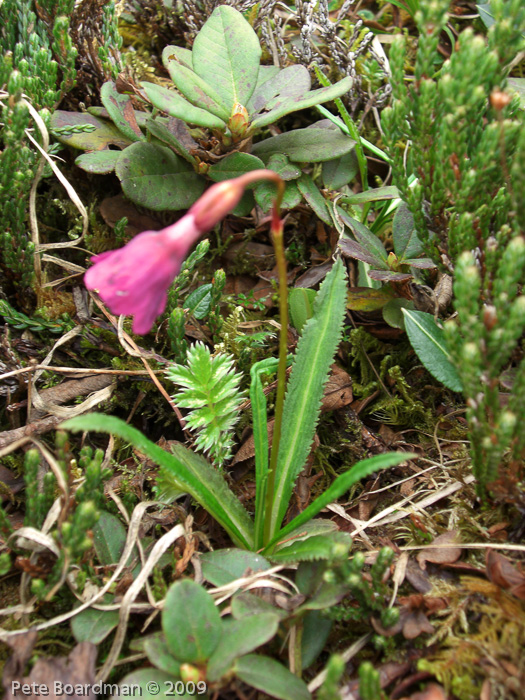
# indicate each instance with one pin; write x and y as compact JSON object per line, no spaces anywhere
{"x":271,"y":678}
{"x":226,"y":565}
{"x":198,"y":302}
{"x":239,"y":637}
{"x":406,"y":242}
{"x":428,"y":340}
{"x":176,"y":106}
{"x":289,"y":83}
{"x":313,"y":548}
{"x":310,"y":145}
{"x":104,"y":135}
{"x":368,"y":298}
{"x":280,"y":164}
{"x":155,"y":177}
{"x":98,"y":162}
{"x":340,"y":171}
{"x":191,"y":622}
{"x":234,"y":165}
{"x":120,"y":109}
{"x":227,"y":52}
{"x":94,"y":625}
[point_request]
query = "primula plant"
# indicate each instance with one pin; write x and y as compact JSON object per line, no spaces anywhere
{"x":296,"y":416}
{"x":223,"y":101}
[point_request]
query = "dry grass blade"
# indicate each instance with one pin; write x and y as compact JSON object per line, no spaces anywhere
{"x":133,"y":591}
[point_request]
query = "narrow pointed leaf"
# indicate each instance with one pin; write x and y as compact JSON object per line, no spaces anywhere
{"x":228,"y":49}
{"x":315,"y":97}
{"x":315,"y":199}
{"x":428,"y":340}
{"x":188,"y":471}
{"x":315,"y":353}
{"x":352,"y":249}
{"x":375,"y":195}
{"x":368,"y":240}
{"x":387,"y":276}
{"x":337,"y":488}
{"x":194,"y":88}
{"x":120,"y":109}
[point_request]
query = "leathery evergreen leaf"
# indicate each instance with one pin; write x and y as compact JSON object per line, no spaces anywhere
{"x":186,"y":470}
{"x":176,"y":106}
{"x":227,"y":50}
{"x":315,"y":353}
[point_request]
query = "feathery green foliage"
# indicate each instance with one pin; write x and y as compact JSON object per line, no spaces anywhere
{"x":211,"y":391}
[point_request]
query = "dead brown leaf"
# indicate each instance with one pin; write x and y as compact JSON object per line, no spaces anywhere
{"x":447,"y":553}
{"x":78,"y":669}
{"x":504,"y":574}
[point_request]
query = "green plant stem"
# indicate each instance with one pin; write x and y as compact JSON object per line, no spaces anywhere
{"x":278,"y":245}
{"x":353,"y":133}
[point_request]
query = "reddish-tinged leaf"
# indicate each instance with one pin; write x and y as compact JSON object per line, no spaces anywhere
{"x":368,"y":299}
{"x":387,"y":276}
{"x":504,"y":574}
{"x":354,"y":250}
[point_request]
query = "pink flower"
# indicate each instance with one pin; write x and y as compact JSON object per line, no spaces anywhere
{"x":134,"y":280}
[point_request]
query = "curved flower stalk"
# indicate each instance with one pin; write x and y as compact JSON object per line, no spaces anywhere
{"x":135,"y":279}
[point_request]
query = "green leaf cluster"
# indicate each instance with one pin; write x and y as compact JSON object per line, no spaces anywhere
{"x":220,"y":88}
{"x":210,"y":388}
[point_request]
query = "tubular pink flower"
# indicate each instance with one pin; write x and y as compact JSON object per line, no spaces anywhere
{"x":135,"y":279}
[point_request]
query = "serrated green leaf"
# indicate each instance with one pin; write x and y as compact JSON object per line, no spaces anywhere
{"x":228,"y":49}
{"x":310,"y":145}
{"x":337,"y":488}
{"x":239,"y":637}
{"x":191,"y":622}
{"x":188,"y":472}
{"x":271,"y":677}
{"x":428,"y":340}
{"x":154,"y":177}
{"x":120,"y":109}
{"x":177,"y":106}
{"x":313,"y":548}
{"x":314,"y":355}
